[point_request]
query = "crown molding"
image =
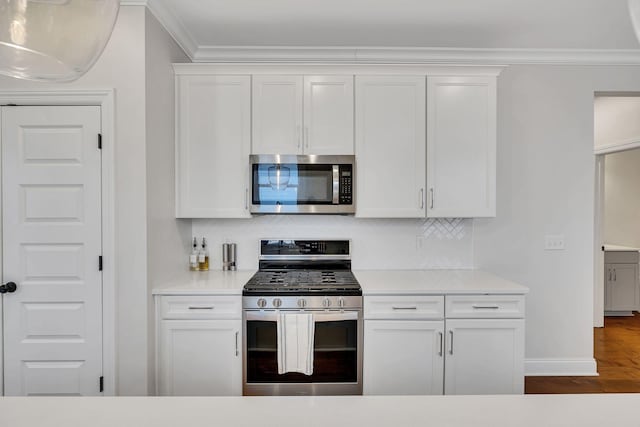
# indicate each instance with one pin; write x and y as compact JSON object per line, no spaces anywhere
{"x":313,"y":54}
{"x":172,"y":24}
{"x":378,"y":55}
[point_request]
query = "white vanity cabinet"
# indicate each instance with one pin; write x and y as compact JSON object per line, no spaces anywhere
{"x":621,"y":282}
{"x":390,"y":146}
{"x":213,"y":139}
{"x":302,"y":114}
{"x":199,"y":345}
{"x":472,"y":344}
{"x":461,"y":146}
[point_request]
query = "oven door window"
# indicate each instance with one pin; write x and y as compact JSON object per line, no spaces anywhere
{"x":334,"y":357}
{"x":292,"y":184}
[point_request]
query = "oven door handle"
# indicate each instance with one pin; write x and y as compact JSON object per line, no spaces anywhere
{"x":321,"y":316}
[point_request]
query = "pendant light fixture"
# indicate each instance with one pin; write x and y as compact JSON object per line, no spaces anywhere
{"x":53,"y":40}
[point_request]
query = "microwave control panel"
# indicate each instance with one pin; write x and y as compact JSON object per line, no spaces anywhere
{"x":346,"y":185}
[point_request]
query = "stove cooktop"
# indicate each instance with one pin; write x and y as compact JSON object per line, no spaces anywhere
{"x":301,"y":282}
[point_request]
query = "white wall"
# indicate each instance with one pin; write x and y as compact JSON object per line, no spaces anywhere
{"x":622,"y":198}
{"x":546,"y":186}
{"x":616,"y":122}
{"x":376,"y":243}
{"x":122,"y":67}
{"x":167,"y":238}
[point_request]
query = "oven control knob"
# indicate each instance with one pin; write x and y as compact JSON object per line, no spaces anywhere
{"x":302,"y":303}
{"x":262,"y":302}
{"x":326,"y":302}
{"x":341,"y":302}
{"x":277,"y":302}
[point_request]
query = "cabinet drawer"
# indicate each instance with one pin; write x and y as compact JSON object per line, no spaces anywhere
{"x":200,"y":307}
{"x":622,"y":257}
{"x":404,"y":307}
{"x":485,"y":306}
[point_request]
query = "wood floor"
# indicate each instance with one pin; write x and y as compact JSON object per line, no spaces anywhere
{"x":617,"y":350}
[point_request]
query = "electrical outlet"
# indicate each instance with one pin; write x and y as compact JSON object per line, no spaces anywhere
{"x":420,"y":240}
{"x":554,"y":242}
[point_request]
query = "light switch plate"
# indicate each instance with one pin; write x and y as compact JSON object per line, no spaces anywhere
{"x":554,"y":242}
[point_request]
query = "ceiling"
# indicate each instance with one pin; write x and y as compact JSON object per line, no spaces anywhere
{"x":199,"y":25}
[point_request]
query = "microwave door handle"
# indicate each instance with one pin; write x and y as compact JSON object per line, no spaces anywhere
{"x":336,"y":184}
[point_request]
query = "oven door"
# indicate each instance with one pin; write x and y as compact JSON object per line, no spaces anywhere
{"x":337,"y":356}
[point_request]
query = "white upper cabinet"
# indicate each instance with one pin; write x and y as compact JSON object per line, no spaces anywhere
{"x":302,"y":115}
{"x":390,"y":146}
{"x":213,"y":129}
{"x":277,"y":114}
{"x":328,"y":115}
{"x":461,"y":146}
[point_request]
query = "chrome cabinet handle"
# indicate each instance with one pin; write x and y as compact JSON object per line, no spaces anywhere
{"x":207,"y":307}
{"x":432,"y":197}
{"x":615,"y":277}
{"x":237,"y":352}
{"x":609,"y":274}
{"x":413,"y":307}
{"x":441,"y":343}
{"x":298,"y":135}
{"x":451,"y":342}
{"x":246,"y":199}
{"x":485,"y":307}
{"x":422,"y":198}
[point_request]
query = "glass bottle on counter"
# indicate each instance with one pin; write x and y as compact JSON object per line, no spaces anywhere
{"x":193,"y":257}
{"x":203,"y":256}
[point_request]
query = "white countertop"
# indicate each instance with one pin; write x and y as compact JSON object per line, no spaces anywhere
{"x":618,"y":248}
{"x":583,"y":410}
{"x":213,"y":282}
{"x":373,"y":282}
{"x":413,"y":282}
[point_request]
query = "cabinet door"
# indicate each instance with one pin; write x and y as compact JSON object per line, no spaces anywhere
{"x":403,"y":357}
{"x":328,"y":115}
{"x":390,"y":146}
{"x":461,"y":146}
{"x":484,"y":356}
{"x":608,"y":286}
{"x":212,"y":147}
{"x":623,"y":287}
{"x":199,"y":358}
{"x":277,"y":115}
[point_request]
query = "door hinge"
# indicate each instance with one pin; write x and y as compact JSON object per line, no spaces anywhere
{"x":99,"y":141}
{"x":100,"y":263}
{"x":101,"y":384}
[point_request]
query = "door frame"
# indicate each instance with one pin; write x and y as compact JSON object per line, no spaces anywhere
{"x":105,"y":100}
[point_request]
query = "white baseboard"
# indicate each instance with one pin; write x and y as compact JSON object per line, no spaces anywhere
{"x":560,"y":367}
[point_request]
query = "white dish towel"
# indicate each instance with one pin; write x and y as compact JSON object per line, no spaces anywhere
{"x":295,"y":342}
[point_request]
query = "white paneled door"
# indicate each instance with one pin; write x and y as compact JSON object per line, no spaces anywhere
{"x":51,"y":235}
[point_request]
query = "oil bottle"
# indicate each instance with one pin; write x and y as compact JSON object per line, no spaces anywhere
{"x":193,"y":257}
{"x":203,"y":256}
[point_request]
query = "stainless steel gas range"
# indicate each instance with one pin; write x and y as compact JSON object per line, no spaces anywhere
{"x":303,"y":277}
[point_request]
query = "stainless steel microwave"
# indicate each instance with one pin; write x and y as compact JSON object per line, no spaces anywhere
{"x":311,"y":184}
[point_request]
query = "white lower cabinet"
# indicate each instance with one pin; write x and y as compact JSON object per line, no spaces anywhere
{"x":622,"y":291}
{"x":484,"y":356}
{"x":403,"y":357}
{"x":198,"y":352}
{"x":479,"y":352}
